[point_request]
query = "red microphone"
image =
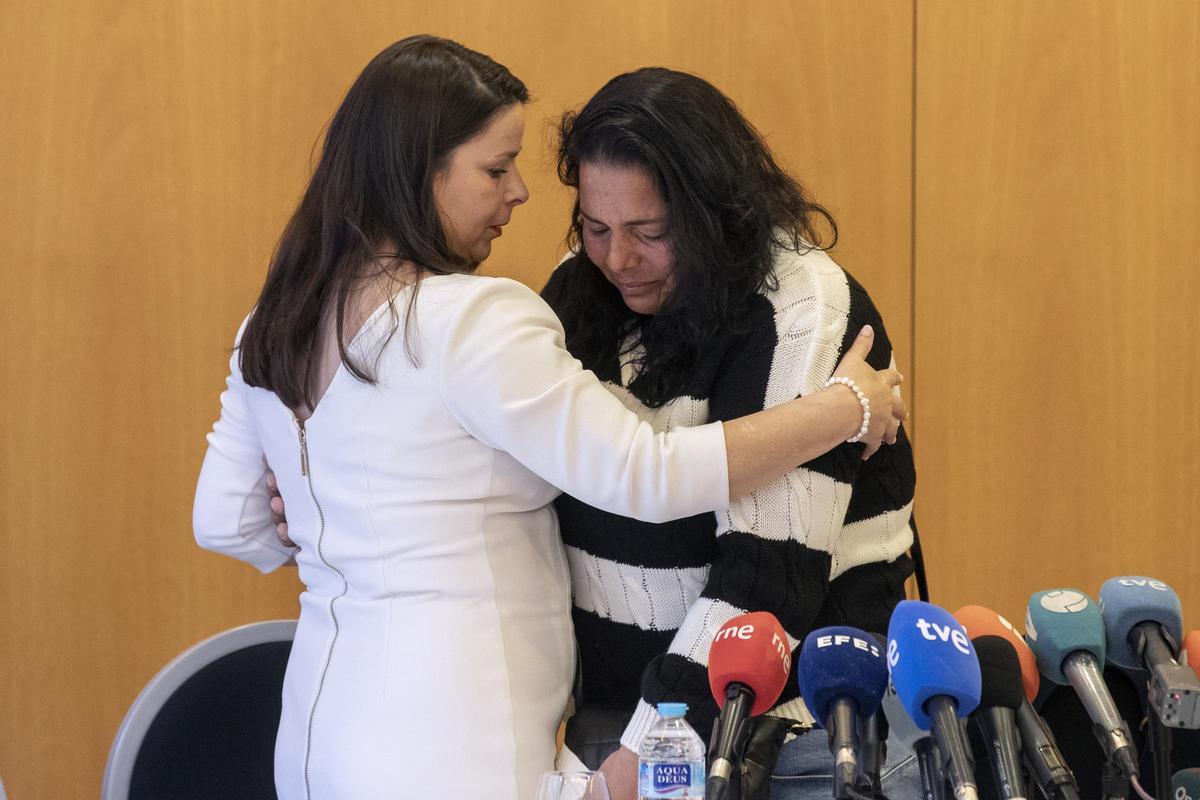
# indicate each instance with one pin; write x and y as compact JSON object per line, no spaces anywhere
{"x":1191,"y":651}
{"x":748,"y":666}
{"x":981,"y":621}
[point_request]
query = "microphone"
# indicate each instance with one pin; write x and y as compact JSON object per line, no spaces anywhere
{"x":1191,"y":651}
{"x":842,"y":676}
{"x":1143,"y":621}
{"x":1066,"y":633}
{"x":902,"y":729}
{"x":748,"y":666}
{"x":936,"y":675}
{"x":1045,"y":761}
{"x":981,"y":621}
{"x":1185,"y":784}
{"x":1002,"y":694}
{"x":873,"y":750}
{"x":1040,"y":751}
{"x":873,"y":739}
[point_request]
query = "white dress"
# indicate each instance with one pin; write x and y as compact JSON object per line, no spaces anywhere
{"x":434,"y":654}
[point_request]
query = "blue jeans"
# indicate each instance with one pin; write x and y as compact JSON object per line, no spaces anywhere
{"x":805,"y":770}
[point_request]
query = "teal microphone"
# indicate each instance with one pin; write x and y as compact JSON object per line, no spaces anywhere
{"x":1185,"y":784}
{"x":1065,"y":630}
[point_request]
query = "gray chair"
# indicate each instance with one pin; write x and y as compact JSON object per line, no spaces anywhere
{"x":204,"y":726}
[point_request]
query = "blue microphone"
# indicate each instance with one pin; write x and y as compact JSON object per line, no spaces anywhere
{"x":1143,"y":621}
{"x":1066,"y":633}
{"x":842,"y":676}
{"x":935,"y":673}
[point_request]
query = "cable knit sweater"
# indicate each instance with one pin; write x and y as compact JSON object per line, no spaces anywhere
{"x":823,"y":545}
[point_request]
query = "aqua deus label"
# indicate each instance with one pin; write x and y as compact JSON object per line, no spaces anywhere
{"x":671,"y":780}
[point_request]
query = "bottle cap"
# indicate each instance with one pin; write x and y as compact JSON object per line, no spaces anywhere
{"x":668,"y":710}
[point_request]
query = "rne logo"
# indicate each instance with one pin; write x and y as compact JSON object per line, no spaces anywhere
{"x":743,"y":632}
{"x":783,"y":651}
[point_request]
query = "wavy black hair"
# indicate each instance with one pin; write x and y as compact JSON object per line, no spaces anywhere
{"x":373,"y":187}
{"x":730,"y":206}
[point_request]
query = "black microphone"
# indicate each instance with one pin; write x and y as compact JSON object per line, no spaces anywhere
{"x":1046,"y":764}
{"x":1001,"y":696}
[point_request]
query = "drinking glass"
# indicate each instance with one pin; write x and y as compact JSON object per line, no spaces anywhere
{"x":572,"y":786}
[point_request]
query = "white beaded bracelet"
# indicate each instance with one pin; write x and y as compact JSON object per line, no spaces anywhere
{"x":862,"y":401}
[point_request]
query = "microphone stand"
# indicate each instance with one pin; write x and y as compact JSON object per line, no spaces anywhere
{"x":933,"y":779}
{"x":1159,"y":736}
{"x":1114,"y":785}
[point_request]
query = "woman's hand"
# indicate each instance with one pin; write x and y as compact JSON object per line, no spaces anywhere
{"x":621,"y":774}
{"x":277,"y":515}
{"x":881,"y":387}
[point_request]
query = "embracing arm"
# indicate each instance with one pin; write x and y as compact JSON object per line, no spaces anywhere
{"x":511,"y":383}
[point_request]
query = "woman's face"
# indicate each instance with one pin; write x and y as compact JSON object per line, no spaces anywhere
{"x":625,"y":233}
{"x":480,"y":186}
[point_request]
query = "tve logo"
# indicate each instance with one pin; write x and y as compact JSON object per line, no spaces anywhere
{"x":1144,"y":583}
{"x":945,"y":633}
{"x":841,"y":639}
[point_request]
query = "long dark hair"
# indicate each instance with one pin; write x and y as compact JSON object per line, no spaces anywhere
{"x":729,"y":208}
{"x":412,"y":105}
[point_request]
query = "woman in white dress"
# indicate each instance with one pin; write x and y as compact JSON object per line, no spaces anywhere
{"x":419,"y":420}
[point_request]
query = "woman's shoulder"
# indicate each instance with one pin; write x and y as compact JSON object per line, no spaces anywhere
{"x":452,"y":291}
{"x":812,"y":264}
{"x":480,"y":301}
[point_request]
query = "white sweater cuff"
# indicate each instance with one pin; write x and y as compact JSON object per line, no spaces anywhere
{"x":643,"y":720}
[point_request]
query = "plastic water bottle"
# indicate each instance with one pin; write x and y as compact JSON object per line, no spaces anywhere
{"x":671,"y":758}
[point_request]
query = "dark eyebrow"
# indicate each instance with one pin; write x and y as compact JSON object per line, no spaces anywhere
{"x":628,"y":223}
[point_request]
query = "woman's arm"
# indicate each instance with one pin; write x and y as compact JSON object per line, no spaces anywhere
{"x":231,"y":513}
{"x":508,"y":379}
{"x":763,"y":446}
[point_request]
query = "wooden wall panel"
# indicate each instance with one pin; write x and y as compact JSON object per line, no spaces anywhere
{"x":1057,"y":165}
{"x":150,"y":154}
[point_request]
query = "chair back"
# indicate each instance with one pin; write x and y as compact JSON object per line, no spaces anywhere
{"x":205,"y":725}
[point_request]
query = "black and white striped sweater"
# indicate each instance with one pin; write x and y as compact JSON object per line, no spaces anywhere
{"x":823,"y":545}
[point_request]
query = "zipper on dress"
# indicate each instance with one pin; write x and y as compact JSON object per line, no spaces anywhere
{"x":306,"y":473}
{"x":303,"y":451}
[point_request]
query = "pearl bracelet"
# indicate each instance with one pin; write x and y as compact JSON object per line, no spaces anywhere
{"x":862,"y":401}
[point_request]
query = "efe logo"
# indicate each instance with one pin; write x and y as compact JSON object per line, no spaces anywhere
{"x":841,"y":639}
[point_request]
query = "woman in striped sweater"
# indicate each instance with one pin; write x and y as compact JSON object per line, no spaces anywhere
{"x":701,"y":290}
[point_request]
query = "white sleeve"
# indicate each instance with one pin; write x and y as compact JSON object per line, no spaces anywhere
{"x":232,"y":513}
{"x":507,"y":377}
